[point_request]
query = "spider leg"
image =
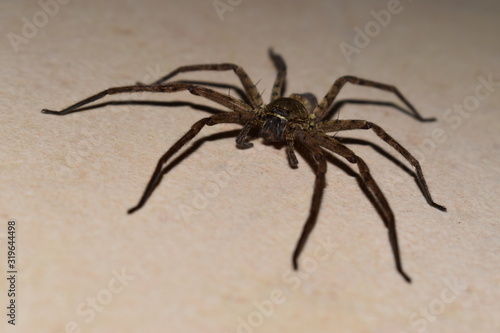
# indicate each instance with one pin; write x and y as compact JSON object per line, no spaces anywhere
{"x":308,"y":100}
{"x":245,"y":80}
{"x":233,"y":117}
{"x":279,"y":83}
{"x":322,"y":108}
{"x":242,"y":138}
{"x":292,"y":159}
{"x":389,"y":221}
{"x":342,"y":125}
{"x":319,"y":186}
{"x":225,"y":100}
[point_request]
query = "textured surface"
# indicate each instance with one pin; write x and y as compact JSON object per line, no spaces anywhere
{"x":211,"y":250}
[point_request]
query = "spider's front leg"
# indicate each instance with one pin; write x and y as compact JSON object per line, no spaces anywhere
{"x":292,"y":158}
{"x":161,"y":170}
{"x":280,"y":81}
{"x":242,"y":141}
{"x":319,"y":186}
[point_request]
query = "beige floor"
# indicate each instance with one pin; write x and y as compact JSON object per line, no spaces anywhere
{"x":211,"y":250}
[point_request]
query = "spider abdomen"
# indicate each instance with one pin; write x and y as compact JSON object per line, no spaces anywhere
{"x":298,"y":117}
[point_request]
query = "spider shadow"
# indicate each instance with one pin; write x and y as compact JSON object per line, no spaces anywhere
{"x":197,"y":144}
{"x":169,"y":104}
{"x":335,"y":109}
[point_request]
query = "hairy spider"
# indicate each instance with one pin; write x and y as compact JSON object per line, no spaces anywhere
{"x":286,"y":120}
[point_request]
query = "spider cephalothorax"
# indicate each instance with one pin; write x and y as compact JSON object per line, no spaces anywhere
{"x":297,"y":117}
{"x":280,"y":113}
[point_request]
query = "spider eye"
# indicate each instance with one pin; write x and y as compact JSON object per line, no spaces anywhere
{"x":273,"y":128}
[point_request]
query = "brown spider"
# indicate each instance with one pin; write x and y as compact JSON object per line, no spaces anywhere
{"x":298,"y":117}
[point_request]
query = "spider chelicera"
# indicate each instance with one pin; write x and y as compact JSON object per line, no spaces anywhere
{"x":287,"y":120}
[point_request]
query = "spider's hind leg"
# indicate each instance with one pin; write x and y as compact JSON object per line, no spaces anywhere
{"x":322,"y":109}
{"x":319,"y":186}
{"x":280,"y":81}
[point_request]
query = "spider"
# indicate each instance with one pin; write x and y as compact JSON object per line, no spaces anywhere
{"x":285,"y":120}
